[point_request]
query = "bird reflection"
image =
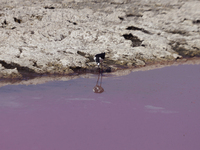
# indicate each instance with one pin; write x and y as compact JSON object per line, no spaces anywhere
{"x":98,"y":88}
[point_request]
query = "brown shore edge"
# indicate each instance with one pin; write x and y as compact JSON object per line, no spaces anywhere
{"x":41,"y":79}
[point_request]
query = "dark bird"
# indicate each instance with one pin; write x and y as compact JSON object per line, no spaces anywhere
{"x":99,"y":58}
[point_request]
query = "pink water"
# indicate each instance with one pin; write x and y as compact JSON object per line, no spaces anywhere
{"x":146,"y":110}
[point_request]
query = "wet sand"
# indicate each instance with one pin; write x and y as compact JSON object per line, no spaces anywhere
{"x":156,"y":109}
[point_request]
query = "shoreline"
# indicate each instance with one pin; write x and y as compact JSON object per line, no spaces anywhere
{"x":122,"y":72}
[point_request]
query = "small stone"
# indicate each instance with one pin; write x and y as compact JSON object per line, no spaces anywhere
{"x":139,"y":63}
{"x":129,"y":64}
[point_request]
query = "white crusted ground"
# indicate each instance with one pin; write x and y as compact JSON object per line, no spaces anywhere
{"x":58,"y":36}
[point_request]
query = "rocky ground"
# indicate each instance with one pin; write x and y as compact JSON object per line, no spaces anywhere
{"x":62,"y":36}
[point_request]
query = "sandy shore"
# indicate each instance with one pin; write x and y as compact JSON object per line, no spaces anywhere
{"x":62,"y":36}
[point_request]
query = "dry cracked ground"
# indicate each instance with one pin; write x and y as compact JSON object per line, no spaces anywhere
{"x":62,"y":36}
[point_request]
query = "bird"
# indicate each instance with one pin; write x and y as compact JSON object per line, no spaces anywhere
{"x":99,"y":58}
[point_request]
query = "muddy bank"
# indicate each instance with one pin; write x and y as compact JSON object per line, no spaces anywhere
{"x":62,"y":36}
{"x":35,"y":79}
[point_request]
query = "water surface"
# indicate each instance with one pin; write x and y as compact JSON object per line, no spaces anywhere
{"x":157,"y":109}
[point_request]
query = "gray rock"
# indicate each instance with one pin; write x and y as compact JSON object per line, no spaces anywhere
{"x":62,"y":36}
{"x":9,"y":73}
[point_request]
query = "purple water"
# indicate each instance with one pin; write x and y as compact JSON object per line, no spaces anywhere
{"x":145,"y":110}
